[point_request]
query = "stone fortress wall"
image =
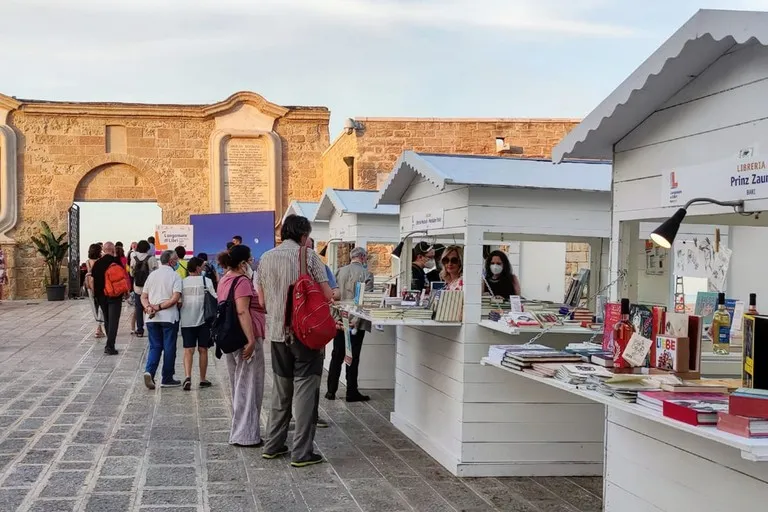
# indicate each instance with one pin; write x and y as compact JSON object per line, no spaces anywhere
{"x":241,"y":154}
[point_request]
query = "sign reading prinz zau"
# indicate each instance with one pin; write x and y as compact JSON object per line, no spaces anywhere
{"x":742,"y":176}
{"x":427,"y":220}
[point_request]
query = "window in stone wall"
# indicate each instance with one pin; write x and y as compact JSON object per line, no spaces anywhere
{"x":116,"y":139}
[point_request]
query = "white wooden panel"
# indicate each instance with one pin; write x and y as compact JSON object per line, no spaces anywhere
{"x":434,"y":378}
{"x":542,"y":267}
{"x":532,"y":452}
{"x":320,"y":232}
{"x":431,"y":360}
{"x":535,"y":432}
{"x":444,"y":341}
{"x":339,"y":225}
{"x":511,"y":412}
{"x":749,"y":245}
{"x":692,"y":150}
{"x":617,"y":499}
{"x":539,"y":199}
{"x":713,"y":113}
{"x":572,"y":223}
{"x":519,"y":390}
{"x":377,"y":228}
{"x":746,"y":64}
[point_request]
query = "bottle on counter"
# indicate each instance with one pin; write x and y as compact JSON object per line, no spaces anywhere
{"x":721,"y":328}
{"x":752,"y":310}
{"x":622,"y":332}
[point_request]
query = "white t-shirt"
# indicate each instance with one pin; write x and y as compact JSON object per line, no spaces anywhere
{"x":160,"y":286}
{"x":193,"y":297}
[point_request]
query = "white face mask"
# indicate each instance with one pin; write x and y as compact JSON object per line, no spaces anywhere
{"x":496,"y":269}
{"x":429,"y":264}
{"x":248,"y":271}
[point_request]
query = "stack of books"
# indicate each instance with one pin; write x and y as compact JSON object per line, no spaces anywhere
{"x":581,"y":372}
{"x":489,"y":304}
{"x":592,"y":353}
{"x":496,"y":353}
{"x":626,"y":387}
{"x":543,"y":369}
{"x":525,"y":359}
{"x":450,"y":306}
{"x":417,"y":313}
{"x":747,"y":414}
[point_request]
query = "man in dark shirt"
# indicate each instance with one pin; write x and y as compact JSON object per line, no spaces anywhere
{"x":110,"y":306}
{"x":423,"y":257}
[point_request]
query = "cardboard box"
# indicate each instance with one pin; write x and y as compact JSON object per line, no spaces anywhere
{"x":672,"y":353}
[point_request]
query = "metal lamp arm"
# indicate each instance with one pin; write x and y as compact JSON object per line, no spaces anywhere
{"x":737,"y":205}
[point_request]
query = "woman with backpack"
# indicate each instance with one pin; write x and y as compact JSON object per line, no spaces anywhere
{"x":246,"y":365}
{"x":195,"y":332}
{"x":141,"y":264}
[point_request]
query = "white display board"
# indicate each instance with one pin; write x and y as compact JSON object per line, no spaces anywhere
{"x":170,"y":236}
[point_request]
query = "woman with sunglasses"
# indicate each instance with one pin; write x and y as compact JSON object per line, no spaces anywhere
{"x":453,"y":268}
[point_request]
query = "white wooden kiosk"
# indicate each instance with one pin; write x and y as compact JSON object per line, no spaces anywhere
{"x":352,"y":216}
{"x":688,"y":123}
{"x":307,"y":209}
{"x":477,"y":421}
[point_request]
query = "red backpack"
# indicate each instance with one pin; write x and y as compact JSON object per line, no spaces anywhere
{"x":311,"y":320}
{"x":115,"y":282}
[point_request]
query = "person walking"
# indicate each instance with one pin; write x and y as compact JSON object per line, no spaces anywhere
{"x":94,"y":253}
{"x":142,"y":264}
{"x":297,"y":369}
{"x":245,"y":365}
{"x":347,"y":278}
{"x":161,"y":293}
{"x":195,"y":333}
{"x":111,"y":307}
{"x":208,"y":270}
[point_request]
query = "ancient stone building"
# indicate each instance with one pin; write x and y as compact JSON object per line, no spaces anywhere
{"x":242,"y":154}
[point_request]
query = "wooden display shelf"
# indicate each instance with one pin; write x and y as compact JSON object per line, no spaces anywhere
{"x":755,"y":450}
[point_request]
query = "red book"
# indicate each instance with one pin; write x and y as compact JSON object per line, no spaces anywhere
{"x":742,"y":426}
{"x":611,"y":318}
{"x":748,"y":406}
{"x":658,"y":319}
{"x":695,"y":411}
{"x":656,"y":399}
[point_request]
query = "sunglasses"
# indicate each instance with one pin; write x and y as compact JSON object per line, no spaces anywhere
{"x":453,"y":261}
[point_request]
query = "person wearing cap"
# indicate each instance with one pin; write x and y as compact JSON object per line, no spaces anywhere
{"x":347,"y":278}
{"x":423,"y":260}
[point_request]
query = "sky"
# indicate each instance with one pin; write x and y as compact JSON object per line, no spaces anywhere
{"x":375,"y":58}
{"x":97,"y":223}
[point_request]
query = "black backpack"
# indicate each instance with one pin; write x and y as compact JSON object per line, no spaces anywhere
{"x":141,"y":271}
{"x":226,"y":331}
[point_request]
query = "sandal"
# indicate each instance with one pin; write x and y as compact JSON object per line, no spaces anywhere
{"x":98,"y":335}
{"x":187,"y":384}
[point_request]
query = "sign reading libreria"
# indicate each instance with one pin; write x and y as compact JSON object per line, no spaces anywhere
{"x":742,"y":176}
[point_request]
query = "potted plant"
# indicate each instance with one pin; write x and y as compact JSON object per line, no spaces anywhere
{"x":53,"y":250}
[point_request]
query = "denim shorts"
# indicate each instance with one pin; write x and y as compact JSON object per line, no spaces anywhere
{"x":199,"y":336}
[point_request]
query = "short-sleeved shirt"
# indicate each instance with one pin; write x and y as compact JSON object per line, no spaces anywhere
{"x":193,"y":290}
{"x":278,"y":270}
{"x":160,"y":286}
{"x":244,"y":288}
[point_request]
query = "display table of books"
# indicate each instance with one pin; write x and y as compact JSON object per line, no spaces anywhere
{"x":662,"y":433}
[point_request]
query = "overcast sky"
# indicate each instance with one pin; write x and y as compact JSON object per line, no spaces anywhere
{"x":441,"y":58}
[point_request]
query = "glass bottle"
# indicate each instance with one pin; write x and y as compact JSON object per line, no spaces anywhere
{"x":752,"y":304}
{"x":622,"y":332}
{"x":721,"y":328}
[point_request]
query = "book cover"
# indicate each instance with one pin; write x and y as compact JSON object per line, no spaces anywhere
{"x":741,"y":426}
{"x":603,"y":359}
{"x":523,"y":319}
{"x":676,"y":324}
{"x":748,"y":346}
{"x":641,"y":316}
{"x":695,"y":335}
{"x":659,"y":314}
{"x":748,"y":406}
{"x":612,"y":316}
{"x":657,"y":398}
{"x":706,"y":304}
{"x":695,"y":411}
{"x":758,"y":367}
{"x":637,"y":350}
{"x":672,"y":353}
{"x":410,"y":297}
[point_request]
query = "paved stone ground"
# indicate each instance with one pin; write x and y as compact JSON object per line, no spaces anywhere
{"x":78,"y":431}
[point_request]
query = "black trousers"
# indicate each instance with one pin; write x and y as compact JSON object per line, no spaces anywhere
{"x":111,"y":307}
{"x":337,"y":360}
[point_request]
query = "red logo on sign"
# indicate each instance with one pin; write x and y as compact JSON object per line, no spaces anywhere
{"x":673,"y":181}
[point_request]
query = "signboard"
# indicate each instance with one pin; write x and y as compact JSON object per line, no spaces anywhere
{"x":741,"y":176}
{"x":427,"y":220}
{"x":339,"y":233}
{"x":170,"y":236}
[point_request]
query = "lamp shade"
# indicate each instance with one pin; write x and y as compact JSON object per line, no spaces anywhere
{"x":665,"y":234}
{"x":397,"y":251}
{"x":324,"y":250}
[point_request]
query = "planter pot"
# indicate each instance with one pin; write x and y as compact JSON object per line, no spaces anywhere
{"x":56,"y":292}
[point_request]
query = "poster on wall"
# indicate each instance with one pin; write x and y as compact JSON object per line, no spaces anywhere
{"x":213,"y":231}
{"x":655,"y":259}
{"x":170,"y":236}
{"x":697,"y":258}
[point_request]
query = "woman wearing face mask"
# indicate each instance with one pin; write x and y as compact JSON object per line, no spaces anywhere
{"x":453,"y":268}
{"x":246,"y":366}
{"x":499,"y":276}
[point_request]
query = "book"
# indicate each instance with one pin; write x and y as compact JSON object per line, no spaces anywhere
{"x":692,"y":387}
{"x":547,"y":319}
{"x":676,"y":324}
{"x":658,"y":319}
{"x":741,"y":425}
{"x":655,"y":399}
{"x":612,"y":316}
{"x":578,"y":373}
{"x":637,"y":350}
{"x":706,"y":304}
{"x":751,"y":406}
{"x":543,"y":357}
{"x":604,"y":359}
{"x":641,"y":317}
{"x":695,"y":411}
{"x":411,"y":298}
{"x":672,"y":353}
{"x":496,"y":353}
{"x":545,"y":369}
{"x":522,"y":319}
{"x":695,"y":335}
{"x":755,"y":349}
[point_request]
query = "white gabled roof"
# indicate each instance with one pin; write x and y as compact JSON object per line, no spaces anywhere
{"x":351,"y":201}
{"x":304,"y":208}
{"x":695,"y":46}
{"x":493,"y":171}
